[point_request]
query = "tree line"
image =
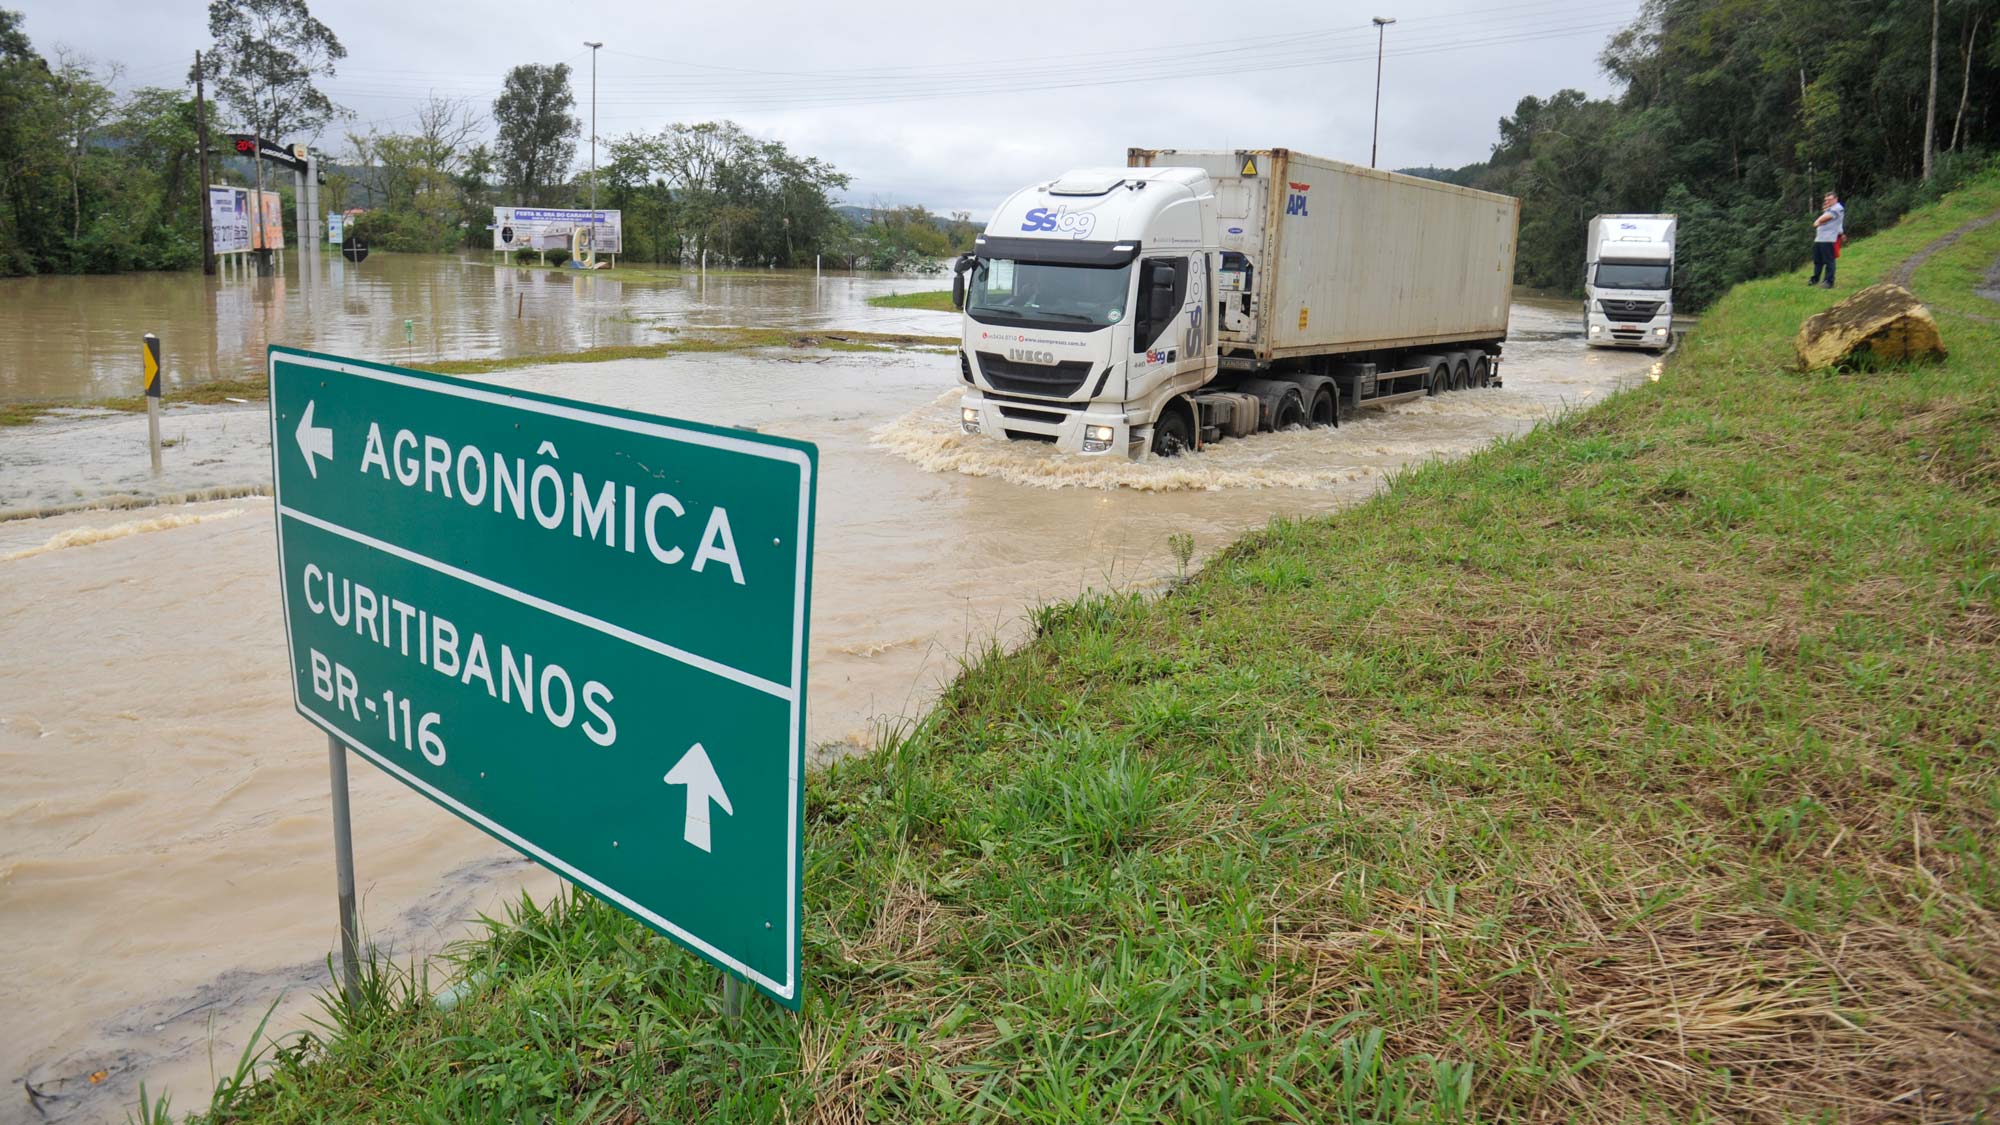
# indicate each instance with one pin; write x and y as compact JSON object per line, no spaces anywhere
{"x":1737,"y":116}
{"x":94,"y":181}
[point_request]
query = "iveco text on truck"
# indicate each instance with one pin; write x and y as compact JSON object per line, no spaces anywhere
{"x":1196,"y":295}
{"x":1628,"y":282}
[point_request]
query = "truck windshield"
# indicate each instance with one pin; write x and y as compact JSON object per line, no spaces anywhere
{"x":1634,"y":275}
{"x":1075,"y":298}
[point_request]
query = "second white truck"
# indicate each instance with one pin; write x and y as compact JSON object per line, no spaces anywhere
{"x":1628,"y":282}
{"x":1197,"y":295}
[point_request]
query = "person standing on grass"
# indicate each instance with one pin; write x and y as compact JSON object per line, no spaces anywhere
{"x":1827,"y":230}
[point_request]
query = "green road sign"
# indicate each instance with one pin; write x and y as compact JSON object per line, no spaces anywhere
{"x":582,"y":629}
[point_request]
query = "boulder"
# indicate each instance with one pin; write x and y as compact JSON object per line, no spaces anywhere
{"x":1880,"y":324}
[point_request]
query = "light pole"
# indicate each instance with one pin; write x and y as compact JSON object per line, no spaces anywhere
{"x":593,"y":146}
{"x":1381,"y":32}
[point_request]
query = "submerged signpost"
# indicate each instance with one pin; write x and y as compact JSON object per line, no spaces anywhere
{"x":579,"y":628}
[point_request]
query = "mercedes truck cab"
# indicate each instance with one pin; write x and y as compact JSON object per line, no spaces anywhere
{"x":1628,"y":282}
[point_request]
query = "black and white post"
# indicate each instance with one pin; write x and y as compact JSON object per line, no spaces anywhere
{"x":151,"y":362}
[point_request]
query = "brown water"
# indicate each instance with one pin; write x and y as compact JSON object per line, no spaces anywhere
{"x":164,"y":843}
{"x":77,"y":338}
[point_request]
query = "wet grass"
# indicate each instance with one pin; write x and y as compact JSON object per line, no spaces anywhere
{"x":200,"y":394}
{"x":939,"y":301}
{"x":1641,"y":767}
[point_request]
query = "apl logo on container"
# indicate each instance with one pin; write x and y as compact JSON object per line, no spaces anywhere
{"x":1295,"y":203}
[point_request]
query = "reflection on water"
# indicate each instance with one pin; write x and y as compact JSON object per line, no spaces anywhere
{"x":77,"y":338}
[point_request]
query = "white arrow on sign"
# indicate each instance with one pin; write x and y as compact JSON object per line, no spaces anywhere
{"x":695,"y":771}
{"x":313,"y":439}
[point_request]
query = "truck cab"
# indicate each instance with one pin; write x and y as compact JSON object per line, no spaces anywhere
{"x":1088,"y":311}
{"x":1628,"y":282}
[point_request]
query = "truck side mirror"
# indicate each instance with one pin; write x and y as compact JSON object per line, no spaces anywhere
{"x":958,"y":268}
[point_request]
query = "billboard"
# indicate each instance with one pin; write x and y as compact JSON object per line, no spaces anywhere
{"x":274,"y":223}
{"x":230,"y":211}
{"x":334,"y":223}
{"x":229,"y":218}
{"x":551,"y":228}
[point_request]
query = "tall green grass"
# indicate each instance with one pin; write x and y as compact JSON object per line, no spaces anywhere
{"x":1640,"y":767}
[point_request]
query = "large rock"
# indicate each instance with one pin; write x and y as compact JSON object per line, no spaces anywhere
{"x":1881,"y":324}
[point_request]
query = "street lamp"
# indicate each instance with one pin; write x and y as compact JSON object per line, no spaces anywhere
{"x":1381,"y":25}
{"x":593,"y":144}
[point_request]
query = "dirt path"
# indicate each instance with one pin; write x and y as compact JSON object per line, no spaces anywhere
{"x":1906,"y":271}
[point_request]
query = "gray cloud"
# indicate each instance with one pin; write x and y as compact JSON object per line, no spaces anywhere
{"x":951,"y":106}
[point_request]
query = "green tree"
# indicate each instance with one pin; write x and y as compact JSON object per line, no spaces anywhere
{"x":537,"y":131}
{"x":267,"y":54}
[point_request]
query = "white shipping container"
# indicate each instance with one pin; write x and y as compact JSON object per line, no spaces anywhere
{"x":1343,"y":258}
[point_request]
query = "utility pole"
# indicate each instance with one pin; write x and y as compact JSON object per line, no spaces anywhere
{"x":1381,"y":33}
{"x":593,"y":148}
{"x":201,"y":139}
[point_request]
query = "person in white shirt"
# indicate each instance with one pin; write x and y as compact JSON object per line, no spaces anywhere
{"x":1826,"y":238}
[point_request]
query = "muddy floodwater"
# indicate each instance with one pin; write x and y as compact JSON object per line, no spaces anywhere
{"x":165,"y":865}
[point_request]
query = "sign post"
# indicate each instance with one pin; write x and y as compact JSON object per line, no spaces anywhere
{"x":579,"y":628}
{"x":151,"y":364}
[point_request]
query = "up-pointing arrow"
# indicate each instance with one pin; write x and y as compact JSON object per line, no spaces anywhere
{"x":313,"y":440}
{"x":695,"y":771}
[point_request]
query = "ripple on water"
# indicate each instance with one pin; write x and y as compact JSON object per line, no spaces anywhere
{"x":1364,"y":446}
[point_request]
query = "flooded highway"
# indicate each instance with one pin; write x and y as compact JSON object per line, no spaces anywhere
{"x":76,"y":338}
{"x":165,"y":866}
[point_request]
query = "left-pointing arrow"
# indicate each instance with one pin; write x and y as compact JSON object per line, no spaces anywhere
{"x":313,"y":440}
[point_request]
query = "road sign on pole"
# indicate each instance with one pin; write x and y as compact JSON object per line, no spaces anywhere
{"x":580,"y":628}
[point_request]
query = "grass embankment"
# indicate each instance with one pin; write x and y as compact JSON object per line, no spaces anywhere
{"x":1640,"y":767}
{"x":686,"y":341}
{"x":202,"y":394}
{"x":940,"y":301}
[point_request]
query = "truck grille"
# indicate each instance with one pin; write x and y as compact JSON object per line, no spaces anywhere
{"x":1629,"y":311}
{"x":1059,"y":380}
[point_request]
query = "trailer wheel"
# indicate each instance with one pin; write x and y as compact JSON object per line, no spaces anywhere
{"x":1440,"y":378}
{"x":1289,"y":412}
{"x":1482,"y":371}
{"x":1461,"y":376}
{"x":1325,"y":409}
{"x":1172,"y":434}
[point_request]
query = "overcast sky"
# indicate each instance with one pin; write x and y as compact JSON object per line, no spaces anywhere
{"x":951,"y":105}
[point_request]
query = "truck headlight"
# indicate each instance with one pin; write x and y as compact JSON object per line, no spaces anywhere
{"x":1596,"y":328}
{"x":968,"y":419}
{"x":1097,"y":439}
{"x":1659,"y":331}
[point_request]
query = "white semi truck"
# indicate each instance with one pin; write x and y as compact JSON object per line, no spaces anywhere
{"x":1628,"y":282}
{"x":1197,"y":295}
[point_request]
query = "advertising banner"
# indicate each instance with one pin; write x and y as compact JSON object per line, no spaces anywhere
{"x":334,"y":222}
{"x":229,"y":215}
{"x":548,"y":228}
{"x":273,"y":237}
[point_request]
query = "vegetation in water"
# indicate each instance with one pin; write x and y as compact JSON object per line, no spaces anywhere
{"x":1738,"y":117}
{"x":1642,"y":766}
{"x":939,"y":301}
